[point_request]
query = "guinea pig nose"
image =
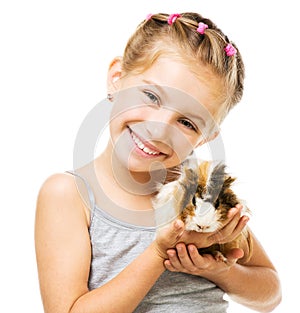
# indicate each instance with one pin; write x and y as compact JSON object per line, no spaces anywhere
{"x":202,"y":228}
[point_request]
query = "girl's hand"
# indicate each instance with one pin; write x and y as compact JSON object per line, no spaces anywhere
{"x":167,"y":237}
{"x":174,"y":233}
{"x":186,"y":259}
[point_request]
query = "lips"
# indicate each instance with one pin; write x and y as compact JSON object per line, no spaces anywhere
{"x":143,"y":146}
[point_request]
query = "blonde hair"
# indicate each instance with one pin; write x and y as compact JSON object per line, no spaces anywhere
{"x":154,"y":37}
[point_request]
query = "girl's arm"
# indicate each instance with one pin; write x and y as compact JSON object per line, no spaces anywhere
{"x":254,"y":284}
{"x":63,"y":252}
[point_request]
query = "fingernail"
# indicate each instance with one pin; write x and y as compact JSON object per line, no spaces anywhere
{"x":232,"y":212}
{"x":240,"y":206}
{"x":246,"y":219}
{"x":170,"y":254}
{"x":177,"y":225}
{"x":191,"y":248}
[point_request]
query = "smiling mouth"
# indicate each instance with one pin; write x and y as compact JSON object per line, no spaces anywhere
{"x":143,"y":146}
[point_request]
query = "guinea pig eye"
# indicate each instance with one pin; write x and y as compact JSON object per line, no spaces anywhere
{"x":217,"y":203}
{"x":194,"y":200}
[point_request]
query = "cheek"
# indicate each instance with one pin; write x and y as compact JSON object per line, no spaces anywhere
{"x":182,"y":149}
{"x":119,"y":121}
{"x":184,"y":145}
{"x":114,"y":129}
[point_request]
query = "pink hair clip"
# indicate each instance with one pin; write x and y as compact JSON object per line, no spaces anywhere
{"x":148,"y":17}
{"x":201,"y":28}
{"x":230,"y":50}
{"x":172,"y":18}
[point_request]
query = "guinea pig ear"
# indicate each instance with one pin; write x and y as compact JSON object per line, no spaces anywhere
{"x":214,"y":182}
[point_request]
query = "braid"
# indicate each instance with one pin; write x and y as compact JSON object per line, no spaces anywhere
{"x":155,"y":36}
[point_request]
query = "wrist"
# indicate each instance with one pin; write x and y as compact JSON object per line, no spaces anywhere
{"x":158,"y":252}
{"x":222,"y":278}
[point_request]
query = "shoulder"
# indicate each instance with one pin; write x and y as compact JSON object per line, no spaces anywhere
{"x":59,"y":193}
{"x":59,"y":185}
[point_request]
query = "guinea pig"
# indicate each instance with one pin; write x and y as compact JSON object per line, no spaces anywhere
{"x":202,"y":196}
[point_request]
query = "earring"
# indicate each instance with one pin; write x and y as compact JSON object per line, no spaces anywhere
{"x":110,"y":97}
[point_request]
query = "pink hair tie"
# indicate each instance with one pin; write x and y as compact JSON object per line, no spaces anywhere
{"x":230,"y":50}
{"x":148,"y":17}
{"x":172,"y":18}
{"x":201,"y":28}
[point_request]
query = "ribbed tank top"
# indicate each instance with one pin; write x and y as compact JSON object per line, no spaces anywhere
{"x":115,"y":244}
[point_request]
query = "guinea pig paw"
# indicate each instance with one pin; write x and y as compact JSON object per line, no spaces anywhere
{"x":219,"y":256}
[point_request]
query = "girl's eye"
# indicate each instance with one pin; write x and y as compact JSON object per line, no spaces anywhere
{"x":188,"y":124}
{"x":153,"y":98}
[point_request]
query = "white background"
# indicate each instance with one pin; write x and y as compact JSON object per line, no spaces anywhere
{"x":53,"y":61}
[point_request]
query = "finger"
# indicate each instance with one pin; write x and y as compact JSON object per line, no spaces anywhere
{"x":177,"y":229}
{"x":173,"y":232}
{"x":233,"y":256}
{"x":174,"y":260}
{"x":169,"y":266}
{"x":233,"y":211}
{"x":237,"y":212}
{"x":231,"y":226}
{"x":235,"y":253}
{"x":240,"y":226}
{"x":202,"y":262}
{"x":196,"y":258}
{"x":184,"y":257}
{"x":231,"y":230}
{"x":228,"y":227}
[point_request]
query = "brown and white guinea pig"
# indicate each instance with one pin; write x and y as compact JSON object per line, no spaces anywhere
{"x":201,"y":196}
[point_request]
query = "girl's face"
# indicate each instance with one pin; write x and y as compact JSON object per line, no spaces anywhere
{"x":161,"y":115}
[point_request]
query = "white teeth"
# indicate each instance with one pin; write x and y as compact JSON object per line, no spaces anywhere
{"x":142,"y":146}
{"x":147,"y":150}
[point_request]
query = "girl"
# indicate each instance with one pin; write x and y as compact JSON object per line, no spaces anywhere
{"x":97,"y":246}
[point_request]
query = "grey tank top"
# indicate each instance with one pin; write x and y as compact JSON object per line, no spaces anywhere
{"x":115,"y":244}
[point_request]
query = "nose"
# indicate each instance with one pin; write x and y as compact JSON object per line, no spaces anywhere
{"x":160,"y":124}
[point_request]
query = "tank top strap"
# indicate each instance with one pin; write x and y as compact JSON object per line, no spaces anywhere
{"x":88,"y":188}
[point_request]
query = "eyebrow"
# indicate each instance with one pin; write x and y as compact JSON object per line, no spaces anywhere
{"x":158,"y":87}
